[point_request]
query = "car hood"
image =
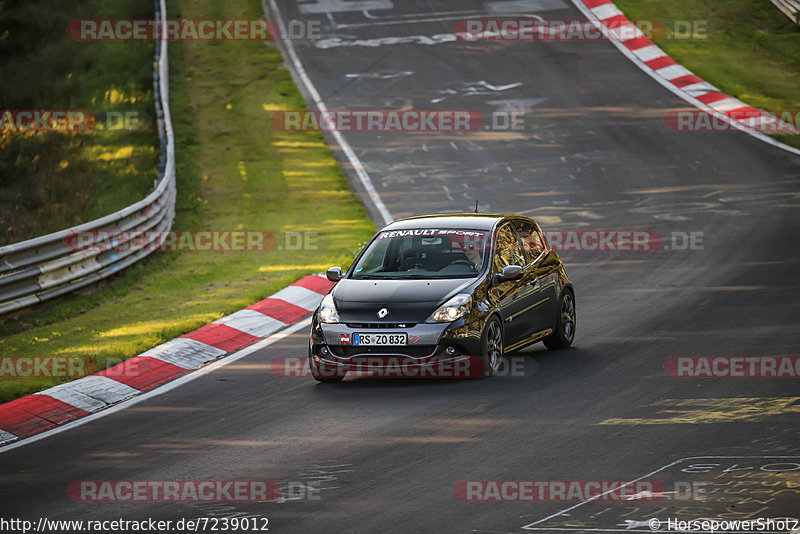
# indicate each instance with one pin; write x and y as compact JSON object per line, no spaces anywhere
{"x":408,"y":301}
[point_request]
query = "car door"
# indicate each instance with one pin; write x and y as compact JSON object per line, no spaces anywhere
{"x":542,"y":273}
{"x":510,"y":297}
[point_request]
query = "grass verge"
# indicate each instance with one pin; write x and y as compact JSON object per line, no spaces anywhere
{"x":752,"y":51}
{"x":234,"y":172}
{"x":53,"y":180}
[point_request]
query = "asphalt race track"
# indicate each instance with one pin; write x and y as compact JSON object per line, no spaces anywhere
{"x":595,"y":155}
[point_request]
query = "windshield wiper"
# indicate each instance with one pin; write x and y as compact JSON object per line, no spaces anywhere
{"x":374,"y":277}
{"x":421,"y":277}
{"x":406,"y":277}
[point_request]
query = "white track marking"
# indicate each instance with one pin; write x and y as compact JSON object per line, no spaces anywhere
{"x":678,"y":92}
{"x":531,"y":526}
{"x":165,"y":388}
{"x":299,"y":296}
{"x":649,"y":53}
{"x":98,"y":387}
{"x":606,"y":11}
{"x":358,"y":167}
{"x":344,"y":6}
{"x":252,"y":322}
{"x":414,"y":15}
{"x":498,"y":88}
{"x":699,"y":88}
{"x":523,"y":6}
{"x":6,"y":437}
{"x":75,"y":398}
{"x":184,"y":352}
{"x":648,"y":495}
{"x":336,"y":42}
{"x":440,"y":17}
{"x":673,"y":71}
{"x":379,"y":75}
{"x":395,"y":22}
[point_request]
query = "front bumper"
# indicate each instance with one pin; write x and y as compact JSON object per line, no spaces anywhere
{"x":432,"y":346}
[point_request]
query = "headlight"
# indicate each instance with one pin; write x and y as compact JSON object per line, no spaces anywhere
{"x":455,"y":308}
{"x":327,"y":310}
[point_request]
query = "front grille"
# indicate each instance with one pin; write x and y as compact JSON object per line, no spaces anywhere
{"x":381,"y":325}
{"x":347,"y":351}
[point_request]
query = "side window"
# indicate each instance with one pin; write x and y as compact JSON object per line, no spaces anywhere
{"x":531,"y":238}
{"x":507,"y":250}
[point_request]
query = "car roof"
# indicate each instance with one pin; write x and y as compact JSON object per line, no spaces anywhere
{"x":466,"y":221}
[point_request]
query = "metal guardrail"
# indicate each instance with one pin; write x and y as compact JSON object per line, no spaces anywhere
{"x":49,"y":266}
{"x":790,"y":8}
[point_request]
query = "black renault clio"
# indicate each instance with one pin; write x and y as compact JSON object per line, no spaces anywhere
{"x":443,"y":289}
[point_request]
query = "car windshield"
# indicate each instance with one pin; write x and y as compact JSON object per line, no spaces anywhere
{"x":424,"y":253}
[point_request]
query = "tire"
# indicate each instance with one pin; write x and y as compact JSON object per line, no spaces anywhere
{"x":327,"y":375}
{"x":492,"y":350}
{"x":564,"y":333}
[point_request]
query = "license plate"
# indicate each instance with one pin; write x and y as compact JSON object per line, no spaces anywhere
{"x":380,"y":339}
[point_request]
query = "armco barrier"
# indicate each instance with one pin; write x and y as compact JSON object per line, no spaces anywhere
{"x":47,"y":267}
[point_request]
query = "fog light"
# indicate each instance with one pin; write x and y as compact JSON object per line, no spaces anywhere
{"x":323,"y":350}
{"x":451,"y":351}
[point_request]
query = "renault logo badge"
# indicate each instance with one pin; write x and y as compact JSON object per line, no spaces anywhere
{"x":383,"y":312}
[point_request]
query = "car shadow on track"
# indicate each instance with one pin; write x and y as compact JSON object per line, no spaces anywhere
{"x":522,"y":369}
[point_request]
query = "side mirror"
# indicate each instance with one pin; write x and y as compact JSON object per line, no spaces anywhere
{"x":510,"y":272}
{"x":334,"y":274}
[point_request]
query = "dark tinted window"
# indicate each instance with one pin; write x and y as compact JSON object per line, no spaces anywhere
{"x":531,"y":238}
{"x":508,"y":250}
